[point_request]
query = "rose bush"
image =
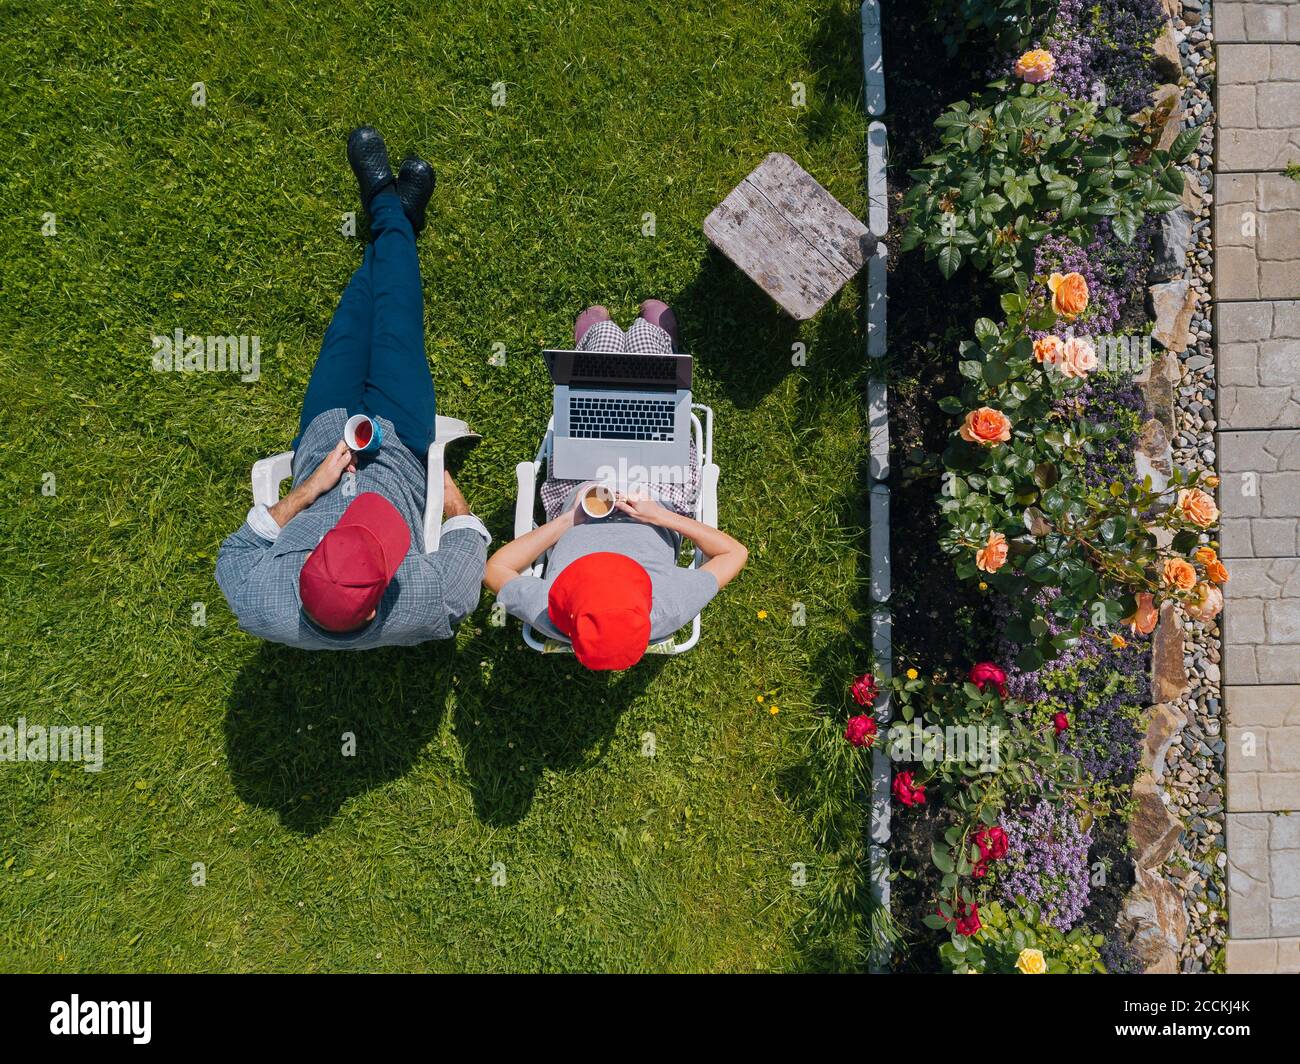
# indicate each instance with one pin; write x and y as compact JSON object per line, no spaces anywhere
{"x":1019,"y":163}
{"x":1021,"y":505}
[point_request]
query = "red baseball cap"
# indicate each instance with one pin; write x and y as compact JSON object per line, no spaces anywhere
{"x":348,"y":572}
{"x":602,"y":603}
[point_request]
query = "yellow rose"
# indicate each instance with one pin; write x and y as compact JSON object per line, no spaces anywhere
{"x":1036,"y":66}
{"x":1031,"y":962}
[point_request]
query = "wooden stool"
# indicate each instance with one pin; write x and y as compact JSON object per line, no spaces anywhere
{"x":791,"y":236}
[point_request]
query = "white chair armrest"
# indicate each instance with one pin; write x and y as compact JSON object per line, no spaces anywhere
{"x":525,"y":497}
{"x":268,"y":474}
{"x":433,"y":500}
{"x":709,"y":495}
{"x":446,"y":430}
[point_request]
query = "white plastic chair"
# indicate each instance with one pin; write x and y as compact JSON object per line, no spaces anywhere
{"x":269,"y":473}
{"x":706,"y":512}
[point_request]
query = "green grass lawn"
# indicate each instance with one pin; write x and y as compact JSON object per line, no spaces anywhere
{"x":226,"y":220}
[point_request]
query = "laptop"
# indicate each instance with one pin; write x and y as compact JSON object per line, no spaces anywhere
{"x":621,"y":418}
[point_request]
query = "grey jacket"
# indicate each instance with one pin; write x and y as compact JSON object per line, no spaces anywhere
{"x":257,"y":569}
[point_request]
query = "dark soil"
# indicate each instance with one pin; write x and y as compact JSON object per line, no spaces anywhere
{"x":937,"y":623}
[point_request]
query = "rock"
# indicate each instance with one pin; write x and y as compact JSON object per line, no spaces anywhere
{"x":1154,"y":456}
{"x":1167,"y":60}
{"x":1154,"y":830}
{"x":1158,"y":381}
{"x":1173,"y":304}
{"x":1193,"y":197}
{"x":1172,"y":241}
{"x":1164,"y":724}
{"x":1155,"y":921}
{"x":1173,"y":8}
{"x":1168,"y":673}
{"x":1173,"y":123}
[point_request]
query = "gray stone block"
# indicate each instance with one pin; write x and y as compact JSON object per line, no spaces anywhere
{"x":873,"y":58}
{"x":878,"y":427}
{"x":881,"y":585}
{"x":878,"y":302}
{"x":877,"y":185}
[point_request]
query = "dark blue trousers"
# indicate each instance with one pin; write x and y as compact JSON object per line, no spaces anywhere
{"x":372,"y":359}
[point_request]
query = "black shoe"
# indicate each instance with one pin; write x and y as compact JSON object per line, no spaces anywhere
{"x":415,"y":183}
{"x":369,"y":160}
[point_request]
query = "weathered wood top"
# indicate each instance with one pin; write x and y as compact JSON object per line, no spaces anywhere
{"x":790,"y":235}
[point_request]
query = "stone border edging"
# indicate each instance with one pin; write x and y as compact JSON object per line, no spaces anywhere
{"x":882,"y":644}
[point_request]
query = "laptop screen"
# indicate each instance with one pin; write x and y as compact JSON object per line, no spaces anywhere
{"x":596,"y":369}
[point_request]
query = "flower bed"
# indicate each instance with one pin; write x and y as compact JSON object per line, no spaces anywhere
{"x":1038,"y":203}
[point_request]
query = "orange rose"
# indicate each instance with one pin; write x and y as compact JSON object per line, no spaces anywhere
{"x":1079,"y":358}
{"x":1207,"y":601}
{"x":1180,"y":574}
{"x":1143,"y":619}
{"x":993,"y":555}
{"x":1048,"y":350}
{"x":1197,"y":507}
{"x":1214,"y":569}
{"x":986,"y":426}
{"x":1036,"y":66}
{"x":1211,"y":481}
{"x":1069,"y":294}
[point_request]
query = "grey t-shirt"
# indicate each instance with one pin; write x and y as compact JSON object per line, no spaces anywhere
{"x":677,"y":595}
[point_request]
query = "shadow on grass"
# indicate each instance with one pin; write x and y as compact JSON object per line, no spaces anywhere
{"x":290,"y":713}
{"x":516,"y":714}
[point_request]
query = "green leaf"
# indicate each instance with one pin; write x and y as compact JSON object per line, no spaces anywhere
{"x":949,"y":261}
{"x":1185,"y":143}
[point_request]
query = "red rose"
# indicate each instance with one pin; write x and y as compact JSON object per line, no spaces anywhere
{"x":864,"y":689}
{"x":980,"y":870}
{"x":992,"y":843}
{"x":968,"y":919}
{"x":861,"y":730}
{"x":907,"y":792}
{"x":1060,"y":722}
{"x":985,"y":673}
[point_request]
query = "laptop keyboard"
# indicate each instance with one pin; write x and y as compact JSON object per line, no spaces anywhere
{"x":604,"y":365}
{"x":594,"y":418}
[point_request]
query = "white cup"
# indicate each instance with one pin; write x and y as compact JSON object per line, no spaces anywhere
{"x":591,"y":498}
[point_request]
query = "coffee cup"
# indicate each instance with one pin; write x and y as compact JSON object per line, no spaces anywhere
{"x":362,"y":434}
{"x":597,"y":501}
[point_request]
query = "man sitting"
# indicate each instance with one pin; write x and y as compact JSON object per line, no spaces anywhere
{"x":328,"y":567}
{"x":613,"y":585}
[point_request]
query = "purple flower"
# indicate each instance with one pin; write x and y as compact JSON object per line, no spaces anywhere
{"x":1047,"y":862}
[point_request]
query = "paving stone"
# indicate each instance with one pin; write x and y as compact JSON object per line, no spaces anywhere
{"x":1259,"y":375}
{"x":1256,"y":81}
{"x":1257,"y":21}
{"x":1270,"y":585}
{"x":1252,"y":956}
{"x":1249,"y":897}
{"x":1260,"y":492}
{"x":1257,"y":233}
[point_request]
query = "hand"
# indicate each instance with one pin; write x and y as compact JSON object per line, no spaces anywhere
{"x":453,"y":502}
{"x":339,"y":461}
{"x":641,"y":507}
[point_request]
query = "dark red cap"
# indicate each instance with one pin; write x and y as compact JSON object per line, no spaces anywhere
{"x":348,"y":572}
{"x":602,"y":603}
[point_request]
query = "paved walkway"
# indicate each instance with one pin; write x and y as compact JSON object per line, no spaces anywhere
{"x":1257,"y":326}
